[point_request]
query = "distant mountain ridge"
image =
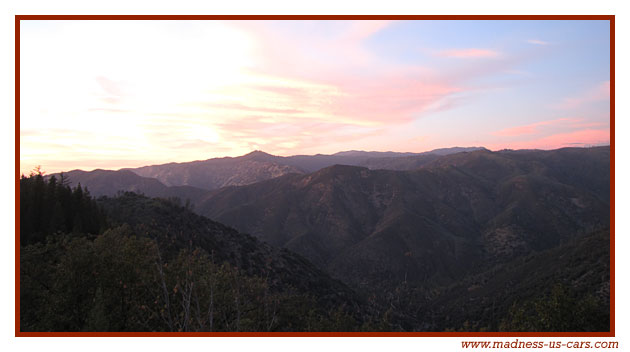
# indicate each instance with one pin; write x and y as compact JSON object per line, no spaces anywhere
{"x":216,"y":173}
{"x":259,"y":166}
{"x":199,"y":176}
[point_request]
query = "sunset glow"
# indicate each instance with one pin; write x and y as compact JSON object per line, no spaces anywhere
{"x":114,"y":94}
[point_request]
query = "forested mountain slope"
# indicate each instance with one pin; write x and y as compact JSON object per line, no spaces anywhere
{"x":455,"y":215}
{"x":152,"y":265}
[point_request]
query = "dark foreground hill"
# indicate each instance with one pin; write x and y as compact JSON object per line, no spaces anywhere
{"x":175,"y":227}
{"x":151,"y":265}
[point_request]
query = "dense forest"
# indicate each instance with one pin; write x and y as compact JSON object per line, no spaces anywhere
{"x":52,"y":206}
{"x":81,"y":270}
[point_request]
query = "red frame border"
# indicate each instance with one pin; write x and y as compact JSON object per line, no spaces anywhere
{"x":610,"y":18}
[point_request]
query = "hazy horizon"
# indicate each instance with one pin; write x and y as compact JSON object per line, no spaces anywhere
{"x":141,"y":164}
{"x":118,"y":94}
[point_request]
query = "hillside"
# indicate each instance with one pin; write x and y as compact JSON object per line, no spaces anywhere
{"x":517,"y":296}
{"x":453,"y":216}
{"x":152,"y":265}
{"x":176,"y":227}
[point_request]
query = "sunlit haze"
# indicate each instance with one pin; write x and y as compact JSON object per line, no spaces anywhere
{"x":114,"y":94}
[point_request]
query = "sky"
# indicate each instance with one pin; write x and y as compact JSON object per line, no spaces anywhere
{"x":115,"y":94}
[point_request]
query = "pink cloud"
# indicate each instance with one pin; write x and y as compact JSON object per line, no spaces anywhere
{"x":600,"y":92}
{"x":592,"y":125}
{"x":312,"y":53}
{"x":560,"y":140}
{"x":285,"y":138}
{"x":531,"y":128}
{"x":359,"y":86}
{"x":537,"y":42}
{"x":390,"y":99}
{"x":386,"y":97}
{"x":469,"y":53}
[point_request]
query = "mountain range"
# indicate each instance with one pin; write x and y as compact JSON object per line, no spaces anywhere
{"x":254,"y":167}
{"x":417,"y":232}
{"x":451,"y":216}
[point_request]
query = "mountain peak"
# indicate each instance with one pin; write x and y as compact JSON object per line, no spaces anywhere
{"x":257,"y":152}
{"x":258,"y":155}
